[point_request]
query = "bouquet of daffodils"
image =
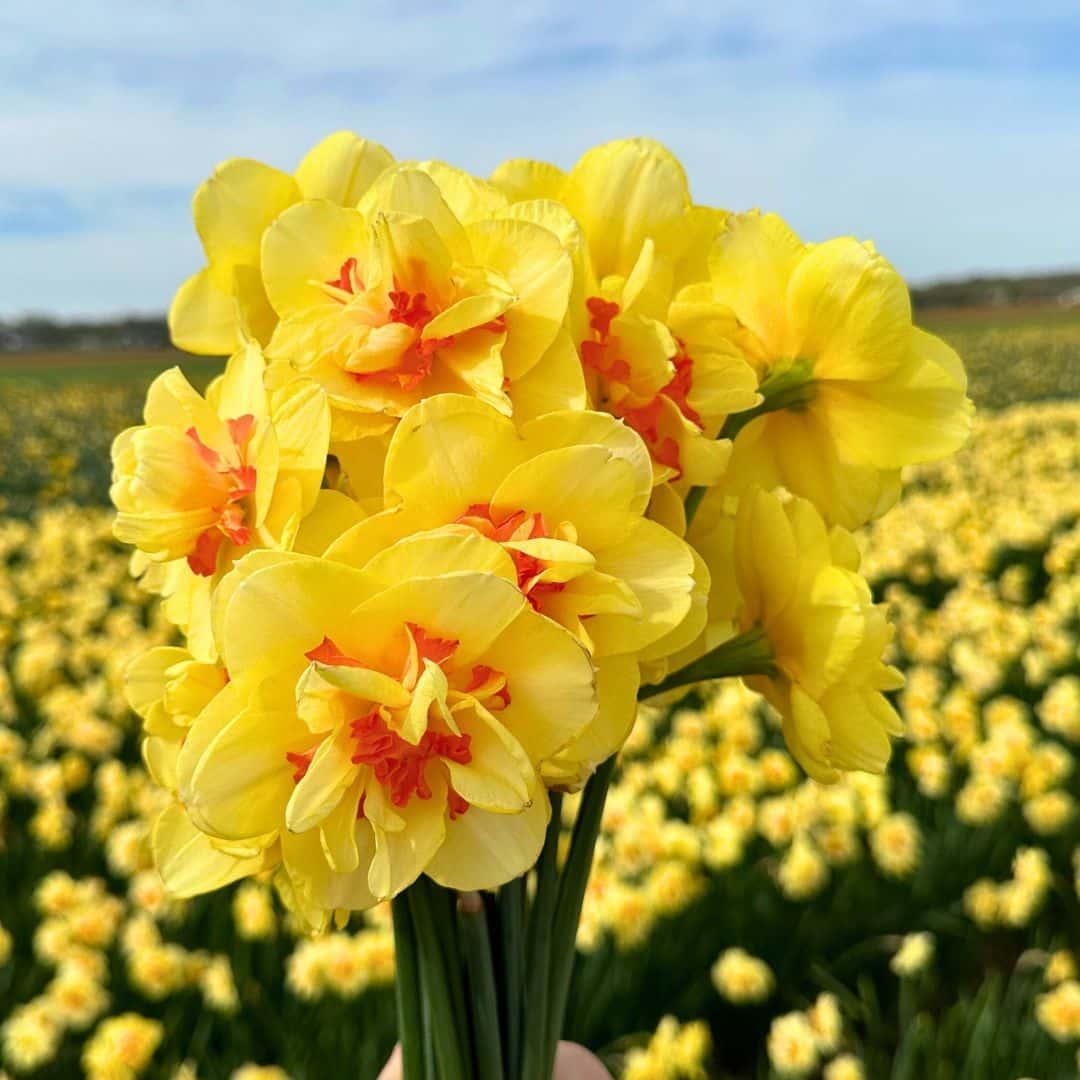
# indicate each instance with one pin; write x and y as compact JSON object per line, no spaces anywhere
{"x":490,"y":462}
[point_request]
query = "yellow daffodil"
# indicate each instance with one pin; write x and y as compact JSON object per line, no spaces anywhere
{"x":225,"y":304}
{"x":657,"y":348}
{"x":853,"y":390}
{"x":800,"y":590}
{"x":384,"y":722}
{"x":429,"y":286}
{"x":565,"y":497}
{"x":206,"y":479}
{"x":168,"y":689}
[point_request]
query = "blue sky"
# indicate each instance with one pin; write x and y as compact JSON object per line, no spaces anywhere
{"x":947,"y":132}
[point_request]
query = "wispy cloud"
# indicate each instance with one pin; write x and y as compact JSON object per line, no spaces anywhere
{"x":948,"y":131}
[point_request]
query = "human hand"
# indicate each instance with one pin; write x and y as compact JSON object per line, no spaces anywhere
{"x":572,"y":1062}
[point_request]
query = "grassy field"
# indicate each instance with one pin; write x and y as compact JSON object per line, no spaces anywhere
{"x":909,"y":927}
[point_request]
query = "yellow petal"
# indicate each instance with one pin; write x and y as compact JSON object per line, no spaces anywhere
{"x":331,"y":517}
{"x":235,"y":206}
{"x":521,"y":178}
{"x":751,"y":263}
{"x":469,"y":198}
{"x":145,"y":679}
{"x":406,"y":190}
{"x":540,"y":273}
{"x":340,"y":830}
{"x":313,"y":878}
{"x":658,"y":568}
{"x":469,"y":608}
{"x":622,"y":193}
{"x":282,"y":611}
{"x":452,"y":549}
{"x":301,"y":419}
{"x":401,"y":857}
{"x":188,"y":863}
{"x":321,"y":788}
{"x":499,"y":775}
{"x":449,"y":452}
{"x":588,"y":486}
{"x":203,"y":316}
{"x":617,"y":686}
{"x":920,"y":413}
{"x":553,"y":384}
{"x":850,"y":312}
{"x":341,"y":168}
{"x":244,"y":778}
{"x":483,"y":850}
{"x":550,"y":680}
{"x":578,"y":428}
{"x":309,"y":243}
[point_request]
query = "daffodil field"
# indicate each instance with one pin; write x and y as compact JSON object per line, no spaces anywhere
{"x":741,"y":921}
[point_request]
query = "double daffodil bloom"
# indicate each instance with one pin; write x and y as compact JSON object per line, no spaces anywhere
{"x":167,"y":688}
{"x":799,"y":588}
{"x":853,"y":390}
{"x":385,"y":722}
{"x":224,"y":304}
{"x":564,"y":496}
{"x":205,"y":480}
{"x":429,"y":286}
{"x":657,"y":348}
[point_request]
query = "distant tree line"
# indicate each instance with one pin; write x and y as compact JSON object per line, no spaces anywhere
{"x":42,"y":333}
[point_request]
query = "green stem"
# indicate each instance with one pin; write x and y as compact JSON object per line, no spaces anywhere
{"x":441,"y":983}
{"x":538,"y":950}
{"x":407,"y":991}
{"x":747,"y":654}
{"x":476,"y":945}
{"x":693,"y":501}
{"x":575,"y":878}
{"x":511,"y":908}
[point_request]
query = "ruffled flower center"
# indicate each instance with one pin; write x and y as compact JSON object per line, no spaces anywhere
{"x":231,"y":482}
{"x":401,"y":766}
{"x":508,"y":528}
{"x":602,"y":355}
{"x":412,"y":356}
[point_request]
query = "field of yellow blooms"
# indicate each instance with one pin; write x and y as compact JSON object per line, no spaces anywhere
{"x":741,"y":921}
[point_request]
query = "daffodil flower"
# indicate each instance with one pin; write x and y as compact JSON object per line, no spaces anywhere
{"x":168,"y":689}
{"x":427,"y":287}
{"x":853,"y":391}
{"x":799,"y":587}
{"x":563,"y":501}
{"x":384,"y":722}
{"x":216,"y":310}
{"x":205,"y":480}
{"x":658,"y":349}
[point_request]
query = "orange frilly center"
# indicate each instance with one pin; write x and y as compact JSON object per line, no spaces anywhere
{"x":601,"y":354}
{"x":412,"y":309}
{"x":397,"y":764}
{"x":516,"y":525}
{"x":239,"y":483}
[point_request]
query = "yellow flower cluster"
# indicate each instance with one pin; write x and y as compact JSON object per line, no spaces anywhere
{"x":121,"y":1047}
{"x":428,"y":532}
{"x":341,"y":964}
{"x":674,"y":1052}
{"x":741,"y":978}
{"x":801,"y":1042}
